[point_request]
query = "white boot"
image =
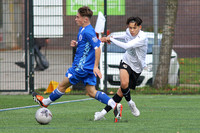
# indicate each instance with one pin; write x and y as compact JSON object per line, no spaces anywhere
{"x":99,"y":115}
{"x":133,"y":108}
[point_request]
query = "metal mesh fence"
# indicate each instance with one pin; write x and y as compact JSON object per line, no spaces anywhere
{"x":56,"y":20}
{"x":12,"y":27}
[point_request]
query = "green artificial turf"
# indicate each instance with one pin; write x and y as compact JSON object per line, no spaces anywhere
{"x":159,"y":114}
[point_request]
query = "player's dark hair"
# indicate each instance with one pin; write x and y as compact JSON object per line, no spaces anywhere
{"x":85,"y":12}
{"x":136,"y":20}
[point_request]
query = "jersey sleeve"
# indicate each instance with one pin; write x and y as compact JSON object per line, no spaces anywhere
{"x":122,"y":36}
{"x":137,"y":42}
{"x":92,"y":39}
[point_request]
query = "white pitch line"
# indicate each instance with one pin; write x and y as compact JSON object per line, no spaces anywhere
{"x":33,"y":106}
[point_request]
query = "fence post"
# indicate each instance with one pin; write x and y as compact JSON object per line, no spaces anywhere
{"x":26,"y":43}
{"x":31,"y":48}
{"x":105,"y":48}
{"x":156,"y":48}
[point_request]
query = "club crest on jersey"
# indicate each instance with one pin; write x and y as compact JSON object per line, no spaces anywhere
{"x":124,"y":65}
{"x":80,"y":37}
{"x":95,"y":39}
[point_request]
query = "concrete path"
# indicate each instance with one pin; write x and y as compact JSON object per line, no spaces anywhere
{"x":12,"y":77}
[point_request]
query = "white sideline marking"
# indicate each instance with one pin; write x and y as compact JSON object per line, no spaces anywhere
{"x":33,"y":106}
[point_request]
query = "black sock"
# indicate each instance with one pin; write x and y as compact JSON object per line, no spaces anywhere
{"x":126,"y":94}
{"x":116,"y":98}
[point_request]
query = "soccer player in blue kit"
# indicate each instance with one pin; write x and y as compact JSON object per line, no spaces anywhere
{"x":84,"y":67}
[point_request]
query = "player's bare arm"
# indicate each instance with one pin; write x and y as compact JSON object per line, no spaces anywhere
{"x":97,"y":58}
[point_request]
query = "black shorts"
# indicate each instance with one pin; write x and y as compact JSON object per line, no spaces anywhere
{"x":133,"y":76}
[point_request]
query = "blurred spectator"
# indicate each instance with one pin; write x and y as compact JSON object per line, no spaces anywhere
{"x":41,"y":61}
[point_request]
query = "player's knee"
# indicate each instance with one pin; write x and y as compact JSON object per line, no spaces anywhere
{"x":124,"y":85}
{"x":61,"y":88}
{"x":91,"y":91}
{"x":91,"y":94}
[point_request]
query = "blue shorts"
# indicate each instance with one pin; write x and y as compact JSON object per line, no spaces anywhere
{"x":75,"y":77}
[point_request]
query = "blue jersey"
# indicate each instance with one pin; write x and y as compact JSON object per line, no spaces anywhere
{"x":85,"y":53}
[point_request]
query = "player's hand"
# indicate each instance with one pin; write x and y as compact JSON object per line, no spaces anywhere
{"x":73,"y":43}
{"x":97,"y":72}
{"x":103,"y":39}
{"x":108,"y":40}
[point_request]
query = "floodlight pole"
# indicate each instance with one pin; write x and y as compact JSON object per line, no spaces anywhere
{"x":156,"y":48}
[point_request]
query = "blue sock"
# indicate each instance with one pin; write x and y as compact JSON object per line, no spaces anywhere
{"x":55,"y":95}
{"x":102,"y":97}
